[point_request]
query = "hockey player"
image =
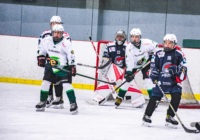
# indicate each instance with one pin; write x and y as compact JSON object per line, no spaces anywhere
{"x":138,"y":53}
{"x":168,"y":68}
{"x":114,"y":53}
{"x":58,"y":102}
{"x":59,"y":50}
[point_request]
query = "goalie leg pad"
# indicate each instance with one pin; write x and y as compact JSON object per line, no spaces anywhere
{"x":101,"y":94}
{"x":138,"y":102}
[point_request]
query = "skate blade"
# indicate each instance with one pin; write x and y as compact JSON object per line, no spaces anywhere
{"x":40,"y":109}
{"x":169,"y":125}
{"x":74,"y":112}
{"x":116,"y":106}
{"x":146,"y":124}
{"x":60,"y":106}
{"x":48,"y":105}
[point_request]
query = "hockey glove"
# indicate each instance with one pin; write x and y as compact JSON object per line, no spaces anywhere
{"x":129,"y":76}
{"x":154,"y":75}
{"x":173,"y":70}
{"x":41,"y":60}
{"x":73,"y":70}
{"x":181,"y":73}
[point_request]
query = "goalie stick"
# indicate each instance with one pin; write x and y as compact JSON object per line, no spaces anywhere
{"x":184,"y":127}
{"x":106,"y":98}
{"x":111,"y":83}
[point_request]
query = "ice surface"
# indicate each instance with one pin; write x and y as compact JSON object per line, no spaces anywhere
{"x":20,"y":121}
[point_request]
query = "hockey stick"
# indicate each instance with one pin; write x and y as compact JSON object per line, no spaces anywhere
{"x":111,"y":83}
{"x":106,"y":98}
{"x":195,"y":124}
{"x":184,"y":127}
{"x":100,"y":67}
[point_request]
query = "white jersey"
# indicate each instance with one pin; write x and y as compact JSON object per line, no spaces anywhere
{"x":137,"y":57}
{"x":61,"y":52}
{"x":48,"y":33}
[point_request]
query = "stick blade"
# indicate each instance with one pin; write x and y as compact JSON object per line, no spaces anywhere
{"x":190,"y":130}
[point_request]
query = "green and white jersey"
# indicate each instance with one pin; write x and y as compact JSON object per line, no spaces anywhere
{"x":137,"y":57}
{"x":60,"y":53}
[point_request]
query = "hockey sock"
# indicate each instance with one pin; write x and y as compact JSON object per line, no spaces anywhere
{"x":43,"y":95}
{"x":175,"y":100}
{"x":149,"y":92}
{"x":71,"y":96}
{"x":59,"y":90}
{"x":122,"y":93}
{"x":151,"y":105}
{"x":51,"y":90}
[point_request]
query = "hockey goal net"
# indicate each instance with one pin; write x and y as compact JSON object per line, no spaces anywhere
{"x":188,"y":99}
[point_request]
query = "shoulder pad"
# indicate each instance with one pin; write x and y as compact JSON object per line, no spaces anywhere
{"x":178,"y":47}
{"x":66,"y":35}
{"x":148,"y":42}
{"x":180,"y":52}
{"x":111,"y":44}
{"x":47,"y":32}
{"x":126,"y":43}
{"x":160,"y":53}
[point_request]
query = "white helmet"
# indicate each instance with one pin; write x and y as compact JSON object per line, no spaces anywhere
{"x":170,"y":37}
{"x":58,"y":28}
{"x":55,"y":19}
{"x":121,"y":33}
{"x":135,"y":31}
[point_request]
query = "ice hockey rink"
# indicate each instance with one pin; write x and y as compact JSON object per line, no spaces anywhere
{"x":19,"y":120}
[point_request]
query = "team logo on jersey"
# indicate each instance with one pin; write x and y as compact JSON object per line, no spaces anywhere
{"x":141,"y":61}
{"x":119,"y":61}
{"x":54,"y":61}
{"x":118,"y":52}
{"x":112,"y":49}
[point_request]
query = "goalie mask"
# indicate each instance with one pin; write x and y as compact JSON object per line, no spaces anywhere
{"x":135,"y":37}
{"x":120,"y":37}
{"x":57,"y":32}
{"x":169,"y":42}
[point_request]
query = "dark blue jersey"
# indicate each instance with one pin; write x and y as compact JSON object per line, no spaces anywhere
{"x":116,"y":53}
{"x":169,"y":69}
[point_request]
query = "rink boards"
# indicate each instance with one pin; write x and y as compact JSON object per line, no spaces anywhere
{"x":19,"y":65}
